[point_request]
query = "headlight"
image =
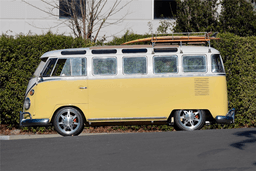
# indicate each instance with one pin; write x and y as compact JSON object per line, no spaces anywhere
{"x":27,"y":103}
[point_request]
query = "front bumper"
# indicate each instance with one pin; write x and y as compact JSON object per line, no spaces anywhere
{"x":32,"y":122}
{"x":228,"y":119}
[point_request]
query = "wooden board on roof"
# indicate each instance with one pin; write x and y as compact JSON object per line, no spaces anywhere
{"x":172,"y":39}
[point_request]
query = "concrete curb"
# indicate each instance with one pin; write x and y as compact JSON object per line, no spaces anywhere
{"x":19,"y":137}
{"x":36,"y":136}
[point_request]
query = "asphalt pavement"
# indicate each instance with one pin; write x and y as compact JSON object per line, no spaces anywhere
{"x":204,"y":150}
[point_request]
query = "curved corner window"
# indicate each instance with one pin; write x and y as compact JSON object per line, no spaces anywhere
{"x":104,"y":66}
{"x":135,"y":65}
{"x":165,"y":64}
{"x":196,"y":63}
{"x":49,"y":67}
{"x":39,"y":68}
{"x":217,"y":66}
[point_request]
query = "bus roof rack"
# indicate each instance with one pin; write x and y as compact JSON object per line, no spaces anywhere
{"x":183,"y":37}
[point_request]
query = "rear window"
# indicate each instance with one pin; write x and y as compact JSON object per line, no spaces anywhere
{"x":195,"y":63}
{"x":217,"y":66}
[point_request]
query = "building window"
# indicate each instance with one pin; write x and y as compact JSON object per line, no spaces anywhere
{"x":165,"y":9}
{"x":68,"y":8}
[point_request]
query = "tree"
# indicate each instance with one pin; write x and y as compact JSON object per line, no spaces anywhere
{"x":238,"y":17}
{"x":196,"y":16}
{"x":85,"y":18}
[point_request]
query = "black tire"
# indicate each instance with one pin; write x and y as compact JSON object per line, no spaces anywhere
{"x":68,"y":121}
{"x":189,"y":120}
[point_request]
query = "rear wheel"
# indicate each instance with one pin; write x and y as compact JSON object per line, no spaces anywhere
{"x":189,"y":120}
{"x":68,"y":121}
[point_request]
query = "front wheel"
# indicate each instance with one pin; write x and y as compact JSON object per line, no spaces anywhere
{"x":68,"y":121}
{"x":189,"y":120}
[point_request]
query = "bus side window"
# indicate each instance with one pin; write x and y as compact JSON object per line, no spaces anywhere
{"x":135,"y":65}
{"x":217,"y":64}
{"x":194,"y":63}
{"x":104,"y":66}
{"x":78,"y":66}
{"x":70,"y":67}
{"x":165,"y":64}
{"x":59,"y":67}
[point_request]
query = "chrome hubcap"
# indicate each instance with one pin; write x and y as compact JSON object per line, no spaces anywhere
{"x":68,"y":121}
{"x":190,"y":118}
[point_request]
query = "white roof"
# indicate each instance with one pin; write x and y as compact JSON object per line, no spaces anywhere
{"x":184,"y":49}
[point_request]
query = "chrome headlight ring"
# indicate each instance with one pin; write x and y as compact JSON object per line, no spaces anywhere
{"x":27,"y":103}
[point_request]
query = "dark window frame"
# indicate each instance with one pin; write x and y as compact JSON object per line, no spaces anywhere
{"x":165,"y":9}
{"x":64,"y":9}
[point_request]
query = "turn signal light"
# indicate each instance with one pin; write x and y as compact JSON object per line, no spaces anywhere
{"x":32,"y":92}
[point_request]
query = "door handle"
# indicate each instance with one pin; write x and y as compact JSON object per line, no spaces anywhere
{"x":82,"y":87}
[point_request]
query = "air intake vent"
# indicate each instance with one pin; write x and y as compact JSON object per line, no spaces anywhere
{"x":202,"y":87}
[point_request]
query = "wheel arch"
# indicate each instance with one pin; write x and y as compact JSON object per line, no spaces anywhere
{"x":207,"y":113}
{"x":77,"y":108}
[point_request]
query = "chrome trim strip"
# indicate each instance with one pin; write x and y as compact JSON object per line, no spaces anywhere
{"x":128,"y":118}
{"x":132,"y":76}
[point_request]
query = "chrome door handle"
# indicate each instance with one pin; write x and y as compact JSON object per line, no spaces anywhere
{"x":82,"y":87}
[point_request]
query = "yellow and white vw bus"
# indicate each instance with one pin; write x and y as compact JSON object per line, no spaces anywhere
{"x":181,"y":85}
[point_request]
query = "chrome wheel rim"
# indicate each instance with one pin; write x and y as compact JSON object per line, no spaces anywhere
{"x":68,"y":121}
{"x":190,"y":119}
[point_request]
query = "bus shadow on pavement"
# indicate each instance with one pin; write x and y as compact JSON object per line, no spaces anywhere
{"x":251,"y":138}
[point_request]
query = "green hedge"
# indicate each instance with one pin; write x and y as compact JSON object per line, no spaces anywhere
{"x":239,"y":57}
{"x":19,"y":57}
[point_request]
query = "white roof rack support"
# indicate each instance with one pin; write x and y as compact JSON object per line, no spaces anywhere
{"x":181,"y":47}
{"x":209,"y":43}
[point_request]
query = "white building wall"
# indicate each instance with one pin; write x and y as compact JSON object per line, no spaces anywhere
{"x":19,"y":17}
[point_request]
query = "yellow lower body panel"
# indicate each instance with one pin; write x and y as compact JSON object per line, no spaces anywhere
{"x":155,"y":97}
{"x":134,"y":99}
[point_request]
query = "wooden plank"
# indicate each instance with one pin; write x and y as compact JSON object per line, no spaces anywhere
{"x":173,"y":39}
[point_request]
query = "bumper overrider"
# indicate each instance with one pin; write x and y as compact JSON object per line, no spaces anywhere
{"x":32,"y":122}
{"x":228,"y":119}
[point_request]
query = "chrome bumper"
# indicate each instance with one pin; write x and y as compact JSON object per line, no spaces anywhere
{"x":32,"y":122}
{"x":228,"y":119}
